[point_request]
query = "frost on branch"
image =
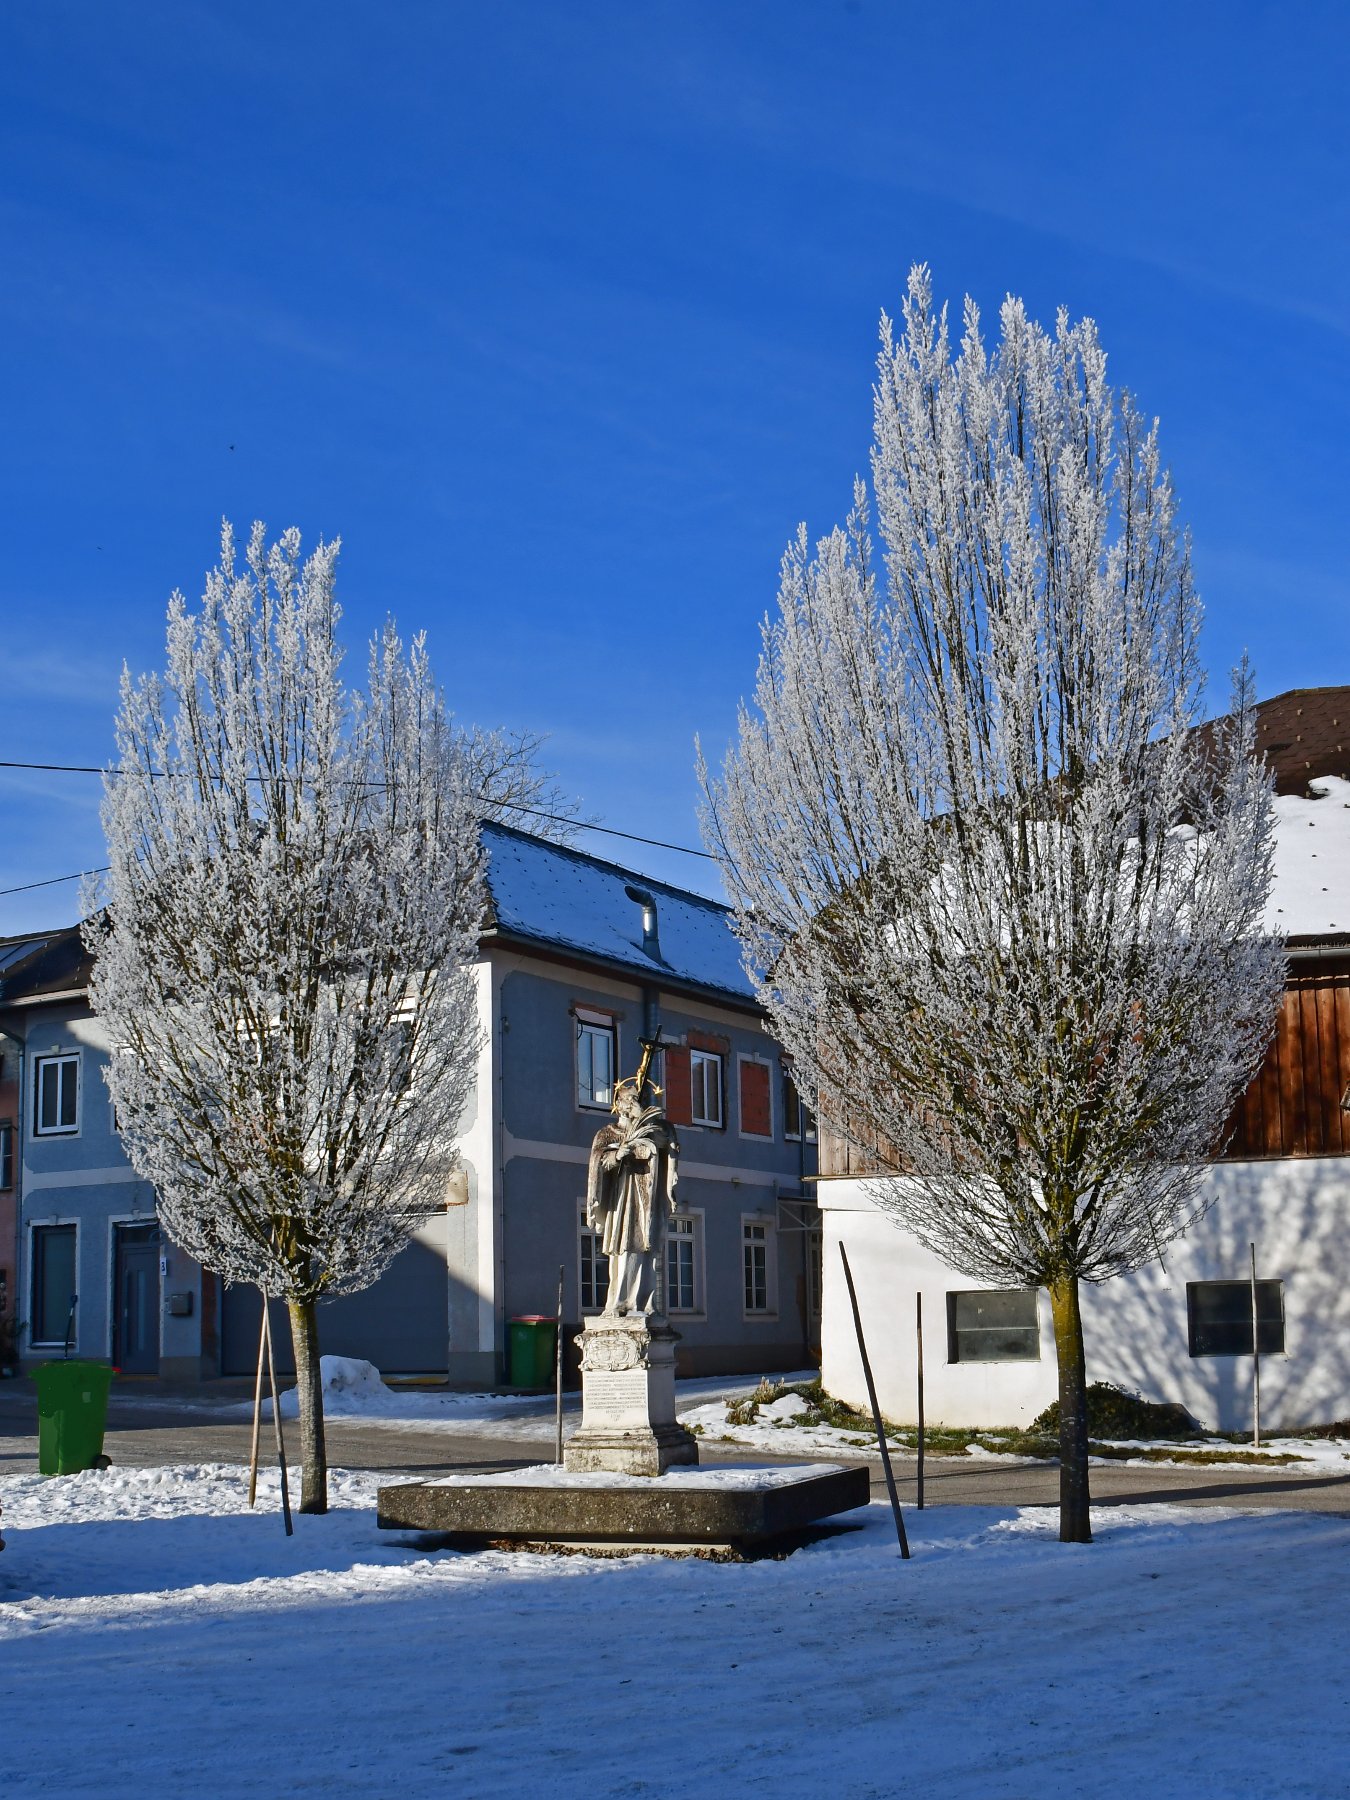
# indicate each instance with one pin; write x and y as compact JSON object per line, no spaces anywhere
{"x":284,"y":958}
{"x":1002,"y":903}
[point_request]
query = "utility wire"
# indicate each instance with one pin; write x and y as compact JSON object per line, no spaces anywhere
{"x":532,"y":812}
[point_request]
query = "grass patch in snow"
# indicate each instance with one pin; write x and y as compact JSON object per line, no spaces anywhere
{"x":1121,"y":1428}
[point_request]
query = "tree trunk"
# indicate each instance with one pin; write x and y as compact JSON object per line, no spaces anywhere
{"x":309,"y":1391}
{"x":1075,"y":1525}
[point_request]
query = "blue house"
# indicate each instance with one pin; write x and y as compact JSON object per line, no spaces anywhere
{"x":579,"y":960}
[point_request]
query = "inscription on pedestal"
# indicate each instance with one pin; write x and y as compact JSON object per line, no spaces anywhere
{"x":616,"y":1397}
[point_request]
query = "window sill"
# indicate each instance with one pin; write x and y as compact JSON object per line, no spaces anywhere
{"x":64,"y":1131}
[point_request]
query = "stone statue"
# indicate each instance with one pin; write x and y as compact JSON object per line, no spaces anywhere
{"x":630,"y":1198}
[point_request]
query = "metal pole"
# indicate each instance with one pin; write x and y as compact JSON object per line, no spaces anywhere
{"x":276,"y":1421}
{"x":876,"y":1410}
{"x":918,"y":1333}
{"x":257,"y":1404}
{"x":557,"y":1370}
{"x":1256,"y":1366}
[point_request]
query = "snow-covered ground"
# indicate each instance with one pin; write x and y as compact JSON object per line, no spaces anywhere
{"x":156,"y":1636}
{"x":353,"y":1390}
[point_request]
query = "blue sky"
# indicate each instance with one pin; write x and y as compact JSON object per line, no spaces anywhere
{"x":562,"y":316}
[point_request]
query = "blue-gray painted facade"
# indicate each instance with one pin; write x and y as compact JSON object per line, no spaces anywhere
{"x":564,"y":946}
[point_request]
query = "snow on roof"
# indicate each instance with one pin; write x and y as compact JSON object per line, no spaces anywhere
{"x":562,"y":897}
{"x":1310,"y":896}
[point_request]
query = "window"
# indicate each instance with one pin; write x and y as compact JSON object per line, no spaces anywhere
{"x":798,"y":1120}
{"x":705,"y":1076}
{"x":756,"y":1236}
{"x":756,"y":1098}
{"x":997,"y":1326}
{"x":683,"y":1282}
{"x":56,"y":1092}
{"x":6,"y":1153}
{"x":1219,"y":1314}
{"x":597,"y":1053}
{"x":815,"y":1271}
{"x":53,"y":1282}
{"x":594,"y":1272}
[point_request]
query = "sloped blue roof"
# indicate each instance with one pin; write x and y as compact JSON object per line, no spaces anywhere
{"x":561,"y":897}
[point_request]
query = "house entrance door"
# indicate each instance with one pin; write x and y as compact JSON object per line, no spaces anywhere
{"x":136,"y":1251}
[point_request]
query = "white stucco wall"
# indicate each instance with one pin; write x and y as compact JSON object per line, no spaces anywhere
{"x":1296,"y":1211}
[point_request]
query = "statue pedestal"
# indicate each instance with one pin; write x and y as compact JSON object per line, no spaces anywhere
{"x":628,"y":1423}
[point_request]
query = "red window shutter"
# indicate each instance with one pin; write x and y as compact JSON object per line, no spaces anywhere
{"x":679,"y":1090}
{"x":756,"y":1109}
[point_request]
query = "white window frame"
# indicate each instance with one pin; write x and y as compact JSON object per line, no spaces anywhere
{"x":34,"y":1227}
{"x":60,"y":1059}
{"x":588,"y":1019}
{"x":756,"y":1137}
{"x":767,"y":1225}
{"x":692,"y":1217}
{"x":803,"y":1112}
{"x":698,"y":1089}
{"x":588,"y":1237}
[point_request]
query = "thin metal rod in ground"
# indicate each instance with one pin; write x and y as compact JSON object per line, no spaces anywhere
{"x":557,"y":1369}
{"x":276,"y":1421}
{"x":918,"y":1335}
{"x":876,"y":1410}
{"x":257,"y":1404}
{"x":1256,"y":1365}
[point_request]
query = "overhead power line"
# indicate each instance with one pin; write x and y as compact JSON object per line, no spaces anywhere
{"x":532,"y":812}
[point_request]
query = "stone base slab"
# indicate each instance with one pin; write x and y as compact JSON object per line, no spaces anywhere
{"x":633,"y":1452}
{"x":688,"y":1513}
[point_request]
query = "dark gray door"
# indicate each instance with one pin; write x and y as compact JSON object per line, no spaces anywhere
{"x":136,"y":1251}
{"x":401,"y":1324}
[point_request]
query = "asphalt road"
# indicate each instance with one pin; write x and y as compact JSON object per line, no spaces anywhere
{"x":150,"y":1427}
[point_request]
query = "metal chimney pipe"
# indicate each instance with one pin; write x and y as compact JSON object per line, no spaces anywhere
{"x":651,"y":942}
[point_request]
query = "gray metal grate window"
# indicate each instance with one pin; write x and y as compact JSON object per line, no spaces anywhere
{"x":995,"y":1325}
{"x":1219,"y":1315}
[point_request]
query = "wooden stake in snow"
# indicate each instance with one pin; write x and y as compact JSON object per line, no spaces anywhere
{"x":257,"y":1404}
{"x":918,"y":1337}
{"x":557,"y":1371}
{"x":876,"y":1410}
{"x":1256,"y":1366}
{"x":276,"y":1421}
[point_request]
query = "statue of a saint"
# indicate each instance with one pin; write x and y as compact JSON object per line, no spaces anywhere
{"x":630,"y":1198}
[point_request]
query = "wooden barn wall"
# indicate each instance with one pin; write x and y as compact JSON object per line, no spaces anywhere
{"x":1292,"y":1108}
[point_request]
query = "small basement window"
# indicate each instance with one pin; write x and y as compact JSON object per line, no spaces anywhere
{"x":1219,"y":1314}
{"x":997,"y":1325}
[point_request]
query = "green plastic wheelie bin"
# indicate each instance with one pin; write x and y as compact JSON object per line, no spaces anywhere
{"x":533,"y":1344}
{"x":72,"y":1414}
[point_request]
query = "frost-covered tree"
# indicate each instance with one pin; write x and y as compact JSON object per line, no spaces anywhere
{"x":284,"y":956}
{"x":1004,"y":901}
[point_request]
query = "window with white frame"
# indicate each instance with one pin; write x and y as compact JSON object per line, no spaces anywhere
{"x":705,"y":1080}
{"x":798,"y":1119}
{"x":684,"y":1280}
{"x":53,"y":1268}
{"x":597,"y":1054}
{"x":56,"y":1095}
{"x":757,"y":1265}
{"x":594,"y":1267}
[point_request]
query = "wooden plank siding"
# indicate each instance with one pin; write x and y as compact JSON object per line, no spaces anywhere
{"x":1292,"y":1107}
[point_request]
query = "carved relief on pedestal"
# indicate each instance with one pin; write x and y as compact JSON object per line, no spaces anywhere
{"x":610,"y":1351}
